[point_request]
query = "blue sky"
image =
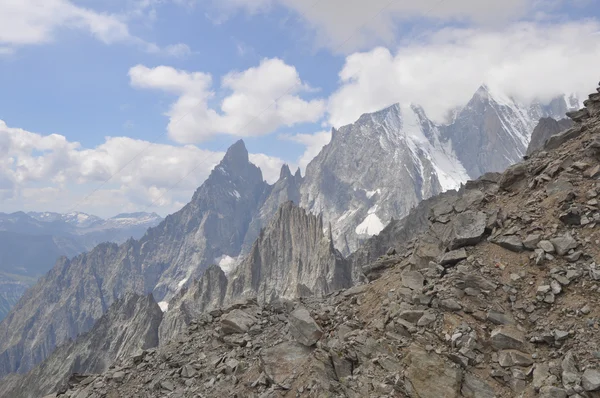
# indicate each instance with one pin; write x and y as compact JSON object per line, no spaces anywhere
{"x":195,"y":76}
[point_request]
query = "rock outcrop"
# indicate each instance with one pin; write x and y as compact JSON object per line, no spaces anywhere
{"x":546,"y":128}
{"x":291,"y":258}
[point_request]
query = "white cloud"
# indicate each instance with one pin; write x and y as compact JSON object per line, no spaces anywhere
{"x":313,"y":143}
{"x":48,"y":172}
{"x":258,"y":101}
{"x":269,"y":165}
{"x":357,"y":24}
{"x":29,"y":22}
{"x":444,"y":69}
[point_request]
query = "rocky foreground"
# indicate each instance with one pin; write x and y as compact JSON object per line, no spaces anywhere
{"x":497,"y":298}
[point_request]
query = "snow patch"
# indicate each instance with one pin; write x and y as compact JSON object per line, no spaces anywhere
{"x":164,"y":306}
{"x":226,"y":263}
{"x":371,"y":225}
{"x":180,"y":284}
{"x":370,"y":194}
{"x":236,"y":194}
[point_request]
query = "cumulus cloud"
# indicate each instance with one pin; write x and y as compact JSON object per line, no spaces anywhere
{"x":29,"y":22}
{"x":258,"y":101}
{"x":313,"y":143}
{"x":56,"y":174}
{"x":442,"y":70}
{"x":357,"y":23}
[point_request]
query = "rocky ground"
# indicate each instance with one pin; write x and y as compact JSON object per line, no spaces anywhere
{"x":498,"y":298}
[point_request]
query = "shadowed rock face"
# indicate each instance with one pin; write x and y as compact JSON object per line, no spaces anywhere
{"x":546,"y":128}
{"x":131,"y":324}
{"x":291,"y":258}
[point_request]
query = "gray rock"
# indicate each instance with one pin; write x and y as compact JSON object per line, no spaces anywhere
{"x":546,"y":128}
{"x":508,"y":358}
{"x":468,"y":229}
{"x":499,"y":318}
{"x":303,"y":327}
{"x":513,"y":175}
{"x":508,"y":337}
{"x":552,"y":392}
{"x":452,"y":257}
{"x":512,"y":243}
{"x":474,"y":387}
{"x":546,"y":246}
{"x":283,"y":361}
{"x":237,"y":321}
{"x":450,"y":305}
{"x":531,"y":241}
{"x":591,"y":380}
{"x":413,"y":280}
{"x":423,"y":367}
{"x":562,"y":244}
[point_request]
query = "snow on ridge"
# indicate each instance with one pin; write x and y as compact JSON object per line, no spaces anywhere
{"x":226,"y":263}
{"x":164,"y":306}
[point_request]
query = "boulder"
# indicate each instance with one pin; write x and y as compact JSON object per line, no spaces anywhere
{"x":511,"y":242}
{"x":507,"y":338}
{"x":474,"y":387}
{"x":423,"y":368}
{"x":591,"y":380}
{"x":283,"y":361}
{"x":562,"y":244}
{"x":413,"y":280}
{"x":237,"y":321}
{"x":508,"y":358}
{"x":303,"y":327}
{"x":468,"y":229}
{"x":453,"y":257}
{"x":512,"y":176}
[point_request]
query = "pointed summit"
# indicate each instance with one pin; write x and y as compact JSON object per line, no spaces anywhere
{"x":237,"y":155}
{"x":298,"y":174}
{"x":285,"y":172}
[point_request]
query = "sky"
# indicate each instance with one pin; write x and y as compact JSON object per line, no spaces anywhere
{"x":109,"y":106}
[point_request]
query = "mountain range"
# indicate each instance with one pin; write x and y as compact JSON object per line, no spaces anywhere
{"x":371,"y":174}
{"x":31,"y":243}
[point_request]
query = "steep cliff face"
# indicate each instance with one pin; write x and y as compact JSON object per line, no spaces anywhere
{"x":546,"y":128}
{"x":493,"y":131}
{"x":378,"y":168}
{"x":291,"y":258}
{"x":130,"y":324}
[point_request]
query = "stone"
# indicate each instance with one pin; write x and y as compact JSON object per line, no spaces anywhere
{"x":570,"y":373}
{"x":411,"y":316}
{"x":499,"y":318}
{"x":512,"y":175}
{"x":413,"y":280}
{"x":590,"y":380}
{"x":423,"y":367}
{"x":562,"y":244}
{"x":531,"y":241}
{"x":355,"y":290}
{"x":452,"y":257}
{"x":474,"y":387}
{"x":552,"y":392}
{"x":450,"y":305}
{"x":167,"y":385}
{"x":187,"y":371}
{"x":592,"y":172}
{"x":468,"y":229}
{"x":427,"y":319}
{"x":303,"y":327}
{"x":508,"y":358}
{"x":546,"y":246}
{"x":283,"y":361}
{"x":118,"y":376}
{"x":511,"y":242}
{"x":237,"y":321}
{"x":573,"y":257}
{"x":342,"y":366}
{"x":508,"y":337}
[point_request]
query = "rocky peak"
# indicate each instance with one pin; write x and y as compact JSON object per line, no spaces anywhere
{"x":236,"y":155}
{"x":285,"y":172}
{"x":546,"y":128}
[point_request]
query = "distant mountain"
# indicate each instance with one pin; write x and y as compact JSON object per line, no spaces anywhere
{"x":30,"y":243}
{"x":385,"y":163}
